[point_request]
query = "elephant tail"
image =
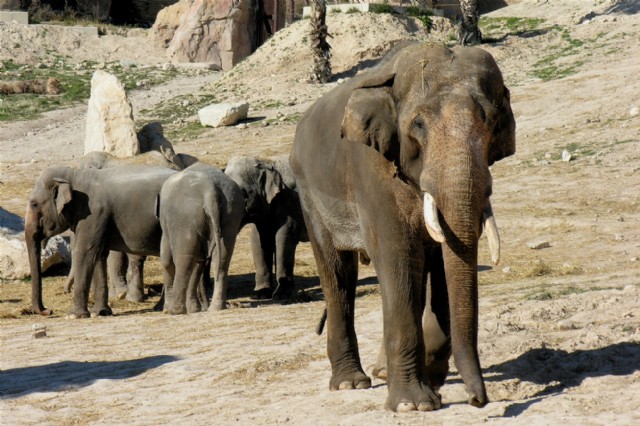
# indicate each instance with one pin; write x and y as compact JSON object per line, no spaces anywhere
{"x":212,"y":210}
{"x":321,"y":323}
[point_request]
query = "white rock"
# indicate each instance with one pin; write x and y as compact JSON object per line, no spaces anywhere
{"x":566,"y":325}
{"x":110,"y":126}
{"x":217,"y":115}
{"x":634,"y":111}
{"x":566,"y":156}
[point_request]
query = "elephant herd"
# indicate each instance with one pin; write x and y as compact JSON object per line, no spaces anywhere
{"x":391,"y":165}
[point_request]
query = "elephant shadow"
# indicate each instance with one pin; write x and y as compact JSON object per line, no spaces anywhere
{"x":70,"y":375}
{"x":559,"y":370}
{"x":307,"y":288}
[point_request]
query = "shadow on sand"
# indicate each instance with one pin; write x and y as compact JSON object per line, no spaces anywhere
{"x":69,"y":375}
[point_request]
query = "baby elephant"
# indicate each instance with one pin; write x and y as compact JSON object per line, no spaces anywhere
{"x":200,"y":211}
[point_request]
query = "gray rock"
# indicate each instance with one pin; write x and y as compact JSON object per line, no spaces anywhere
{"x":538,"y":245}
{"x":566,"y":156}
{"x":14,"y":261}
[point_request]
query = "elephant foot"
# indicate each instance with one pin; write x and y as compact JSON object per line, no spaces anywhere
{"x":284,"y":291}
{"x":436,"y":373}
{"x":413,"y":397}
{"x":193,"y":308}
{"x":379,"y":372}
{"x":77,"y":313}
{"x":216,"y":307}
{"x":45,"y":312}
{"x":262,"y":294}
{"x":354,"y":380}
{"x":134,"y":296}
{"x":101,"y":311}
{"x":176,"y":311}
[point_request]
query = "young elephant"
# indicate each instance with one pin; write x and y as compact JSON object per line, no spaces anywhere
{"x":108,"y":209}
{"x":125,"y":270}
{"x":395,"y":162}
{"x":273,"y":205}
{"x":200,"y":211}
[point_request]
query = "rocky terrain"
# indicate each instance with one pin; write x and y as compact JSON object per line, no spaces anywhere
{"x":559,"y":317}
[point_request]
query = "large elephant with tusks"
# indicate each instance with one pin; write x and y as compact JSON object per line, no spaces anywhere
{"x":395,"y":163}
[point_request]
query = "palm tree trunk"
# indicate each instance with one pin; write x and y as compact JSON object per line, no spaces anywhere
{"x":321,"y":50}
{"x":469,"y":31}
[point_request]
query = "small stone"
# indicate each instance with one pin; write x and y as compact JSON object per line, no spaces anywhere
{"x":634,"y":111}
{"x":39,"y":331}
{"x":506,"y":269}
{"x":566,"y":325}
{"x":538,"y":245}
{"x":566,"y":156}
{"x":635,"y":259}
{"x":629,"y":288}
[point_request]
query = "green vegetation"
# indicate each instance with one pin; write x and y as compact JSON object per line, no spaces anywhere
{"x":353,"y":10}
{"x":75,"y":82}
{"x":493,"y":28}
{"x":424,"y":15}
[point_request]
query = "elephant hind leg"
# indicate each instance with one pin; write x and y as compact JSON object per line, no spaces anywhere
{"x":435,"y":323}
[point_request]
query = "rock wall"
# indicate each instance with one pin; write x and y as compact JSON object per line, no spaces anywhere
{"x":221,"y":32}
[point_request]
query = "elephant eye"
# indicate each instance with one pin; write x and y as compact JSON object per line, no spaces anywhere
{"x":418,"y":130}
{"x":34,"y":205}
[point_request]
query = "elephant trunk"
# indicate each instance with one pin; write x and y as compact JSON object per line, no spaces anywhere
{"x":33,"y":239}
{"x":461,"y":207}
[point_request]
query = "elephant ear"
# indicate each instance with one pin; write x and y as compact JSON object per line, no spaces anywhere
{"x":270,"y":182}
{"x":370,"y":118}
{"x":62,"y":193}
{"x":504,"y":133}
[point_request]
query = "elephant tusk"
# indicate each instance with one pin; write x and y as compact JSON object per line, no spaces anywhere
{"x":431,"y":218}
{"x":492,"y":233}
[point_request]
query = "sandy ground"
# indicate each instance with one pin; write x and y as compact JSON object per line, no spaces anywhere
{"x":559,"y":333}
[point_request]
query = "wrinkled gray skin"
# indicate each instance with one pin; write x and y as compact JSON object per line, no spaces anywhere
{"x":273,"y":206}
{"x":201,"y":211}
{"x":426,"y":120}
{"x":109,"y":209}
{"x":126,"y":270}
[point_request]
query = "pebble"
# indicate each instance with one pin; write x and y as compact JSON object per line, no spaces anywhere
{"x":566,"y":325}
{"x":39,"y":331}
{"x":538,"y":245}
{"x":634,"y":111}
{"x":506,"y":269}
{"x":566,"y":156}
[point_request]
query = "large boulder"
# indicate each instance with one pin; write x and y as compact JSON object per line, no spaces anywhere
{"x":110,"y":127}
{"x":213,"y":31}
{"x":14,"y":260}
{"x":167,"y":21}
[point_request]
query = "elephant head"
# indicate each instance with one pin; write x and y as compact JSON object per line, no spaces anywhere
{"x":260,"y":183}
{"x":442,"y":117}
{"x":46,"y":217}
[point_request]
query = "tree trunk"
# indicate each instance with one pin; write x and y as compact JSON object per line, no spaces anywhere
{"x":321,"y":50}
{"x":469,"y":31}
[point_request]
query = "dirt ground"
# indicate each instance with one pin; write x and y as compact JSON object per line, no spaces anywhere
{"x":559,"y":333}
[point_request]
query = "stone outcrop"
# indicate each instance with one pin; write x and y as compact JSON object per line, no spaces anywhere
{"x":110,"y":127}
{"x":221,"y":32}
{"x":217,"y":115}
{"x":167,"y":21}
{"x":14,"y":261}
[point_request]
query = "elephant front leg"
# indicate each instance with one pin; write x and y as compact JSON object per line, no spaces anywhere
{"x":101,"y":291}
{"x":436,"y":324}
{"x":338,"y":278}
{"x":135,"y":279}
{"x":262,"y":249}
{"x":82,"y":270}
{"x":402,"y":309}
{"x":285,"y":258}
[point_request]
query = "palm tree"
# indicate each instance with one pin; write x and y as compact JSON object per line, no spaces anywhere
{"x":469,"y":31}
{"x":321,"y":50}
